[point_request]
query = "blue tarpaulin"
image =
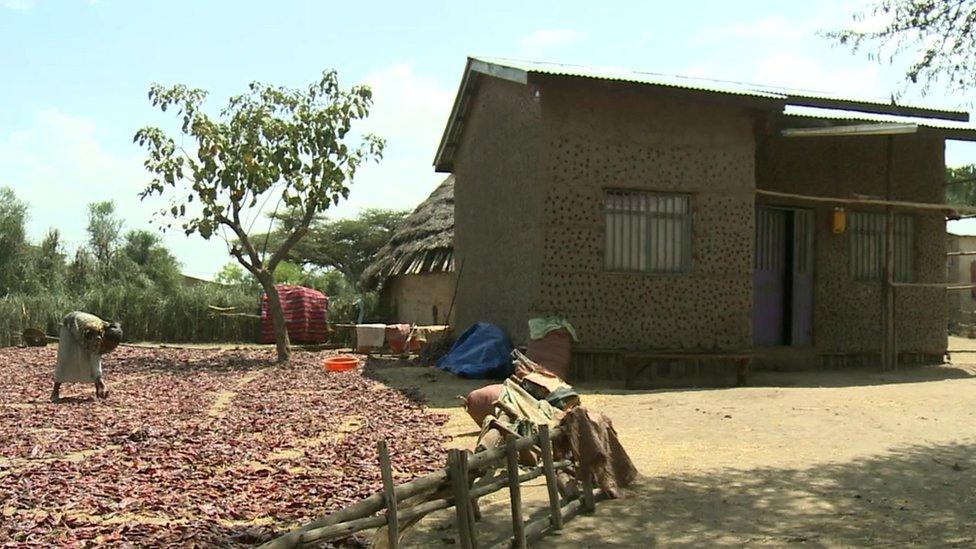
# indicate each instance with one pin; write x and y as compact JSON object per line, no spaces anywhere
{"x":482,"y":352}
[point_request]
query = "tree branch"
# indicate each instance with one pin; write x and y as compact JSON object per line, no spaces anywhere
{"x":293,"y":238}
{"x":235,"y":225}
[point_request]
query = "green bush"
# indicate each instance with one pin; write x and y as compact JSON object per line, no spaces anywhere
{"x":180,"y":315}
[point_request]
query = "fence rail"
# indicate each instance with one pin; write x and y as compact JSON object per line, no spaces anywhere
{"x":446,"y":488}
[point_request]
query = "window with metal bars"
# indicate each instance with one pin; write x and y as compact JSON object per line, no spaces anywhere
{"x":867,"y":241}
{"x":647,"y":232}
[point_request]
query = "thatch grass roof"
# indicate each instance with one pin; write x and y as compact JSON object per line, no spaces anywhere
{"x":424,"y":244}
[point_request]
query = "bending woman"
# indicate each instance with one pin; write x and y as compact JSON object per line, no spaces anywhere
{"x":84,"y":338}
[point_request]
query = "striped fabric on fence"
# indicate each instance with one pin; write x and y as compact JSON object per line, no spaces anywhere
{"x":306,"y":314}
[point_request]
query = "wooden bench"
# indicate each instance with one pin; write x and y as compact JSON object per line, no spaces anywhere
{"x":636,"y":363}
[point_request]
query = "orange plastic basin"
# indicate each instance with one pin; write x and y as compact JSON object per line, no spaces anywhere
{"x":341,"y":363}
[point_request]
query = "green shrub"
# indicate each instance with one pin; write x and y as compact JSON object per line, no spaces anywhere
{"x":180,"y":315}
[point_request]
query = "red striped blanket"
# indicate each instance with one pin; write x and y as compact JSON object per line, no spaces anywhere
{"x":306,"y":314}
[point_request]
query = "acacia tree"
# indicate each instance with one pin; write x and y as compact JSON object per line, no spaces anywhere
{"x":961,"y":185}
{"x":345,"y":245}
{"x":271,"y":142}
{"x":940,"y":33}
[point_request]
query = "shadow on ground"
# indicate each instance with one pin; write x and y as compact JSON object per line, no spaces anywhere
{"x":915,"y":495}
{"x":440,"y":389}
{"x":919,"y":495}
{"x":425,"y":384}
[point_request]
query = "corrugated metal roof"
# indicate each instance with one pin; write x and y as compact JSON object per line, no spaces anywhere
{"x":794,"y":95}
{"x":801,"y":103}
{"x":858,"y":116}
{"x":626,"y":75}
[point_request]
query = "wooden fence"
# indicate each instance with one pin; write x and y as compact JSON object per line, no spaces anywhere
{"x":445,"y":488}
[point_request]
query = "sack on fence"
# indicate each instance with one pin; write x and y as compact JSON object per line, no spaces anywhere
{"x":543,"y":384}
{"x":591,"y":438}
{"x":519,"y":413}
{"x":552,"y":351}
{"x":480,"y":402}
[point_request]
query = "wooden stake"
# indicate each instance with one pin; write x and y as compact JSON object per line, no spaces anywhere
{"x":545,"y":443}
{"x":415,"y":488}
{"x":889,"y":359}
{"x":515,"y":493}
{"x":389,"y":494}
{"x":458,"y":464}
{"x":589,"y":502}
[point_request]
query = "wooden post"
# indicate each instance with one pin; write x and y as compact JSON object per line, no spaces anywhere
{"x":888,"y":276}
{"x":515,"y":492}
{"x":887,"y":294}
{"x":458,"y":464}
{"x":589,"y":501}
{"x":545,"y":443}
{"x":389,"y":494}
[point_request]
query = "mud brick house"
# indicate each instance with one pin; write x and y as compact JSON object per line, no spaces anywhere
{"x":679,"y":223}
{"x":414,"y":271}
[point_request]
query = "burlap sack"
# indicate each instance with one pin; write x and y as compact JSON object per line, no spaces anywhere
{"x":553,"y":352}
{"x":479,"y":403}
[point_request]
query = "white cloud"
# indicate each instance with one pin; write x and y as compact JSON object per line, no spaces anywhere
{"x":770,"y":28}
{"x":17,"y":5}
{"x":801,"y":72}
{"x":550,"y":38}
{"x":61,"y":163}
{"x":410,"y":110}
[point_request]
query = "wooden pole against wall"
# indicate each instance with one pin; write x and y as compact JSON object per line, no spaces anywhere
{"x":889,"y":356}
{"x":891,"y":360}
{"x":896,"y":204}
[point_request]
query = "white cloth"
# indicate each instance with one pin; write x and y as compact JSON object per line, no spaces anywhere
{"x":77,"y":362}
{"x":370,"y":335}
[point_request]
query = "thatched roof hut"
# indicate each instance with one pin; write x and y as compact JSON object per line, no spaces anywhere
{"x":424,"y":244}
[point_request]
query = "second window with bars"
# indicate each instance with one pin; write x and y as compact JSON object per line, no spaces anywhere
{"x":867,"y":241}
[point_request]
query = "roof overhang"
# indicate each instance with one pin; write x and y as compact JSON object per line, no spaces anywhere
{"x":884,"y":118}
{"x":462,"y":102}
{"x":851,"y":130}
{"x":837,"y":122}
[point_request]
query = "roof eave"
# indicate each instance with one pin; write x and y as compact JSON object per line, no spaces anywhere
{"x":475,"y":67}
{"x":801,"y":100}
{"x":444,"y":159}
{"x":881,"y":127}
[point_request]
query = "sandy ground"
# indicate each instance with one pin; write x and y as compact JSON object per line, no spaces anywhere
{"x":821,"y":459}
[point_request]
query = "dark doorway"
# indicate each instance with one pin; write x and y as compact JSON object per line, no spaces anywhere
{"x":783,"y":279}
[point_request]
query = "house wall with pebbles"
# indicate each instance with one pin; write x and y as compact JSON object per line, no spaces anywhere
{"x":498,"y":208}
{"x":531,"y":174}
{"x":847,"y":312}
{"x":605,"y":136}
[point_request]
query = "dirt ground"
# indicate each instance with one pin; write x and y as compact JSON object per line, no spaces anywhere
{"x":821,"y":459}
{"x":194,"y":447}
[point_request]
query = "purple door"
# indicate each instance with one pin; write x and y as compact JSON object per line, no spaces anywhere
{"x":783,"y":280}
{"x":770,"y":277}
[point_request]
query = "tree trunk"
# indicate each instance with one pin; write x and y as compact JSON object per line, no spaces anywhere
{"x":277,"y":320}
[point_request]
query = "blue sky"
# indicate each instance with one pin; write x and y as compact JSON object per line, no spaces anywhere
{"x":75,"y":75}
